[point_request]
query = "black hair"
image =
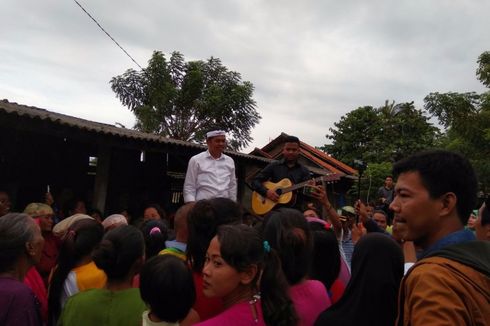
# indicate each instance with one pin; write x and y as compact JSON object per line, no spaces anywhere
{"x":242,"y":246}
{"x":154,"y":240}
{"x":287,"y":231}
{"x":202,"y":224}
{"x":79,"y":242}
{"x":291,"y":139}
{"x":325,"y":266}
{"x":159,"y":210}
{"x":167,"y":287}
{"x":16,"y":230}
{"x":442,"y":172}
{"x":118,"y":251}
{"x":380,"y":211}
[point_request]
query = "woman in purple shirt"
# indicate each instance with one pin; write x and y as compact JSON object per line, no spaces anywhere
{"x":21,"y":245}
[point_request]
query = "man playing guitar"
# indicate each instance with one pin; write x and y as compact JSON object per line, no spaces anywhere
{"x":289,"y":168}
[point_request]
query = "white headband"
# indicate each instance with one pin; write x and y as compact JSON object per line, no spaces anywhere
{"x":215,"y":133}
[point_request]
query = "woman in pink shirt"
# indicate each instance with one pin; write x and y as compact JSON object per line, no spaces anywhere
{"x":244,"y":271}
{"x":287,"y":231}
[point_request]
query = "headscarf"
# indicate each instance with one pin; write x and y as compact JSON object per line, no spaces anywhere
{"x":371,"y":295}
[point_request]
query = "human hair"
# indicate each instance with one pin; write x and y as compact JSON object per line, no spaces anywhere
{"x":203,"y":221}
{"x":380,"y":211}
{"x":325,"y":266}
{"x":167,"y":287}
{"x":159,"y":210}
{"x":118,"y":251}
{"x":79,"y":242}
{"x":155,"y":233}
{"x":442,"y":172}
{"x":287,"y":231}
{"x":291,"y":139}
{"x":242,"y":246}
{"x":16,"y":229}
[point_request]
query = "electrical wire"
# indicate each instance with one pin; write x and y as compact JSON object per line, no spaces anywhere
{"x":126,"y":52}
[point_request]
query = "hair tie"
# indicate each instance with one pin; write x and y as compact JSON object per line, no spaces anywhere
{"x":155,"y":230}
{"x":267,"y":246}
{"x":328,"y":226}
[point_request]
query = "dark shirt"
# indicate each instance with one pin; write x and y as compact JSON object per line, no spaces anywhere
{"x":276,"y":171}
{"x":386,"y":193}
{"x":18,"y":305}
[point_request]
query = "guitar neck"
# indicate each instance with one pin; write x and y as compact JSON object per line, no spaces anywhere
{"x":300,"y":185}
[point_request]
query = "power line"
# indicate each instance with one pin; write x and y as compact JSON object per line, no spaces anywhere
{"x":107,"y":34}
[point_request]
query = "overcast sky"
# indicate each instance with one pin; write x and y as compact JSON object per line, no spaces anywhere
{"x":310,"y":61}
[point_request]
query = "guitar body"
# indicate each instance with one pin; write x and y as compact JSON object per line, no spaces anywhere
{"x":262,"y":205}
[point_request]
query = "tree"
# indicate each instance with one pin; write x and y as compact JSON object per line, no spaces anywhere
{"x":466,"y":119}
{"x":483,"y":70}
{"x":384,"y":134}
{"x":183,"y":100}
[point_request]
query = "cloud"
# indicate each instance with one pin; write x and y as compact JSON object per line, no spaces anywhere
{"x":311,"y":61}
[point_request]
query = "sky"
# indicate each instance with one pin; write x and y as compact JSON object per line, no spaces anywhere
{"x":311,"y":61}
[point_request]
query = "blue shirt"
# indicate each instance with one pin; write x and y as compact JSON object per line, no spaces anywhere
{"x":462,"y":235}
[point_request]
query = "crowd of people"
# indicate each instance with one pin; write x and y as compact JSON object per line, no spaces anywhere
{"x":411,"y":259}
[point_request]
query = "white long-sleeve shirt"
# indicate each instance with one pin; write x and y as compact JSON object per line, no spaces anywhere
{"x":208,"y":177}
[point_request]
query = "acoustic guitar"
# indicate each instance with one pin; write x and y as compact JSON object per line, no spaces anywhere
{"x":284,"y":188}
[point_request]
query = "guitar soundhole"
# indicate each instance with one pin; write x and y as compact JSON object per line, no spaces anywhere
{"x":279,"y":191}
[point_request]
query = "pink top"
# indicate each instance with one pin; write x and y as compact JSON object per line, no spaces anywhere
{"x":240,"y":314}
{"x":310,"y":299}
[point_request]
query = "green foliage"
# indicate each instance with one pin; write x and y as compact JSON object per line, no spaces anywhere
{"x":466,"y":117}
{"x":183,"y":100}
{"x":371,"y":180}
{"x":384,"y":134}
{"x":483,"y":70}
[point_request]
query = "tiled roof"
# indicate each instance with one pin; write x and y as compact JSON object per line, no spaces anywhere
{"x":332,"y":161}
{"x":101,"y":128}
{"x":318,"y":157}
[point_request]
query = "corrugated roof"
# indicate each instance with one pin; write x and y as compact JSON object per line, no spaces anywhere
{"x":102,"y":128}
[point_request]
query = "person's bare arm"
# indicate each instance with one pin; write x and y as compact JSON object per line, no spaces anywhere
{"x":321,"y":195}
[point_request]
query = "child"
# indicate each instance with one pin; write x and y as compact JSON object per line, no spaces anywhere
{"x":244,"y":271}
{"x":166,"y":286}
{"x":120,"y":255}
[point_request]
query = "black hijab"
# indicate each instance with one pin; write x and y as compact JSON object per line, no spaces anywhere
{"x":371,"y":295}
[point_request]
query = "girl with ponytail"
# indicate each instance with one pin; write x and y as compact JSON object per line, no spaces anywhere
{"x":245,"y":272}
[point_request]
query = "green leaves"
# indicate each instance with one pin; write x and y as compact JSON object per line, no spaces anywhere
{"x":183,"y":100}
{"x":383,"y":134}
{"x":483,"y":70}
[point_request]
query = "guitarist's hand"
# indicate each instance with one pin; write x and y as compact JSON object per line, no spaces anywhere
{"x":272,"y":195}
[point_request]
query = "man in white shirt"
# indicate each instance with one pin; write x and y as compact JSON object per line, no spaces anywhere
{"x":211,"y":173}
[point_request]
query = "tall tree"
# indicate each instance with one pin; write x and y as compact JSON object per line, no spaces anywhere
{"x":183,"y":100}
{"x":483,"y":70}
{"x":466,"y":119}
{"x":384,"y":134}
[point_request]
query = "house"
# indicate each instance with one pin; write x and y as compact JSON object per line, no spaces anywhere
{"x":318,"y":162}
{"x":109,"y":167}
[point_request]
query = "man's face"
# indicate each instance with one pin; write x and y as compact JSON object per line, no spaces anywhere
{"x":414,"y":207}
{"x":216,"y":145}
{"x":290,"y":151}
{"x":380,"y":219}
{"x":4,"y":203}
{"x":389,"y":182}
